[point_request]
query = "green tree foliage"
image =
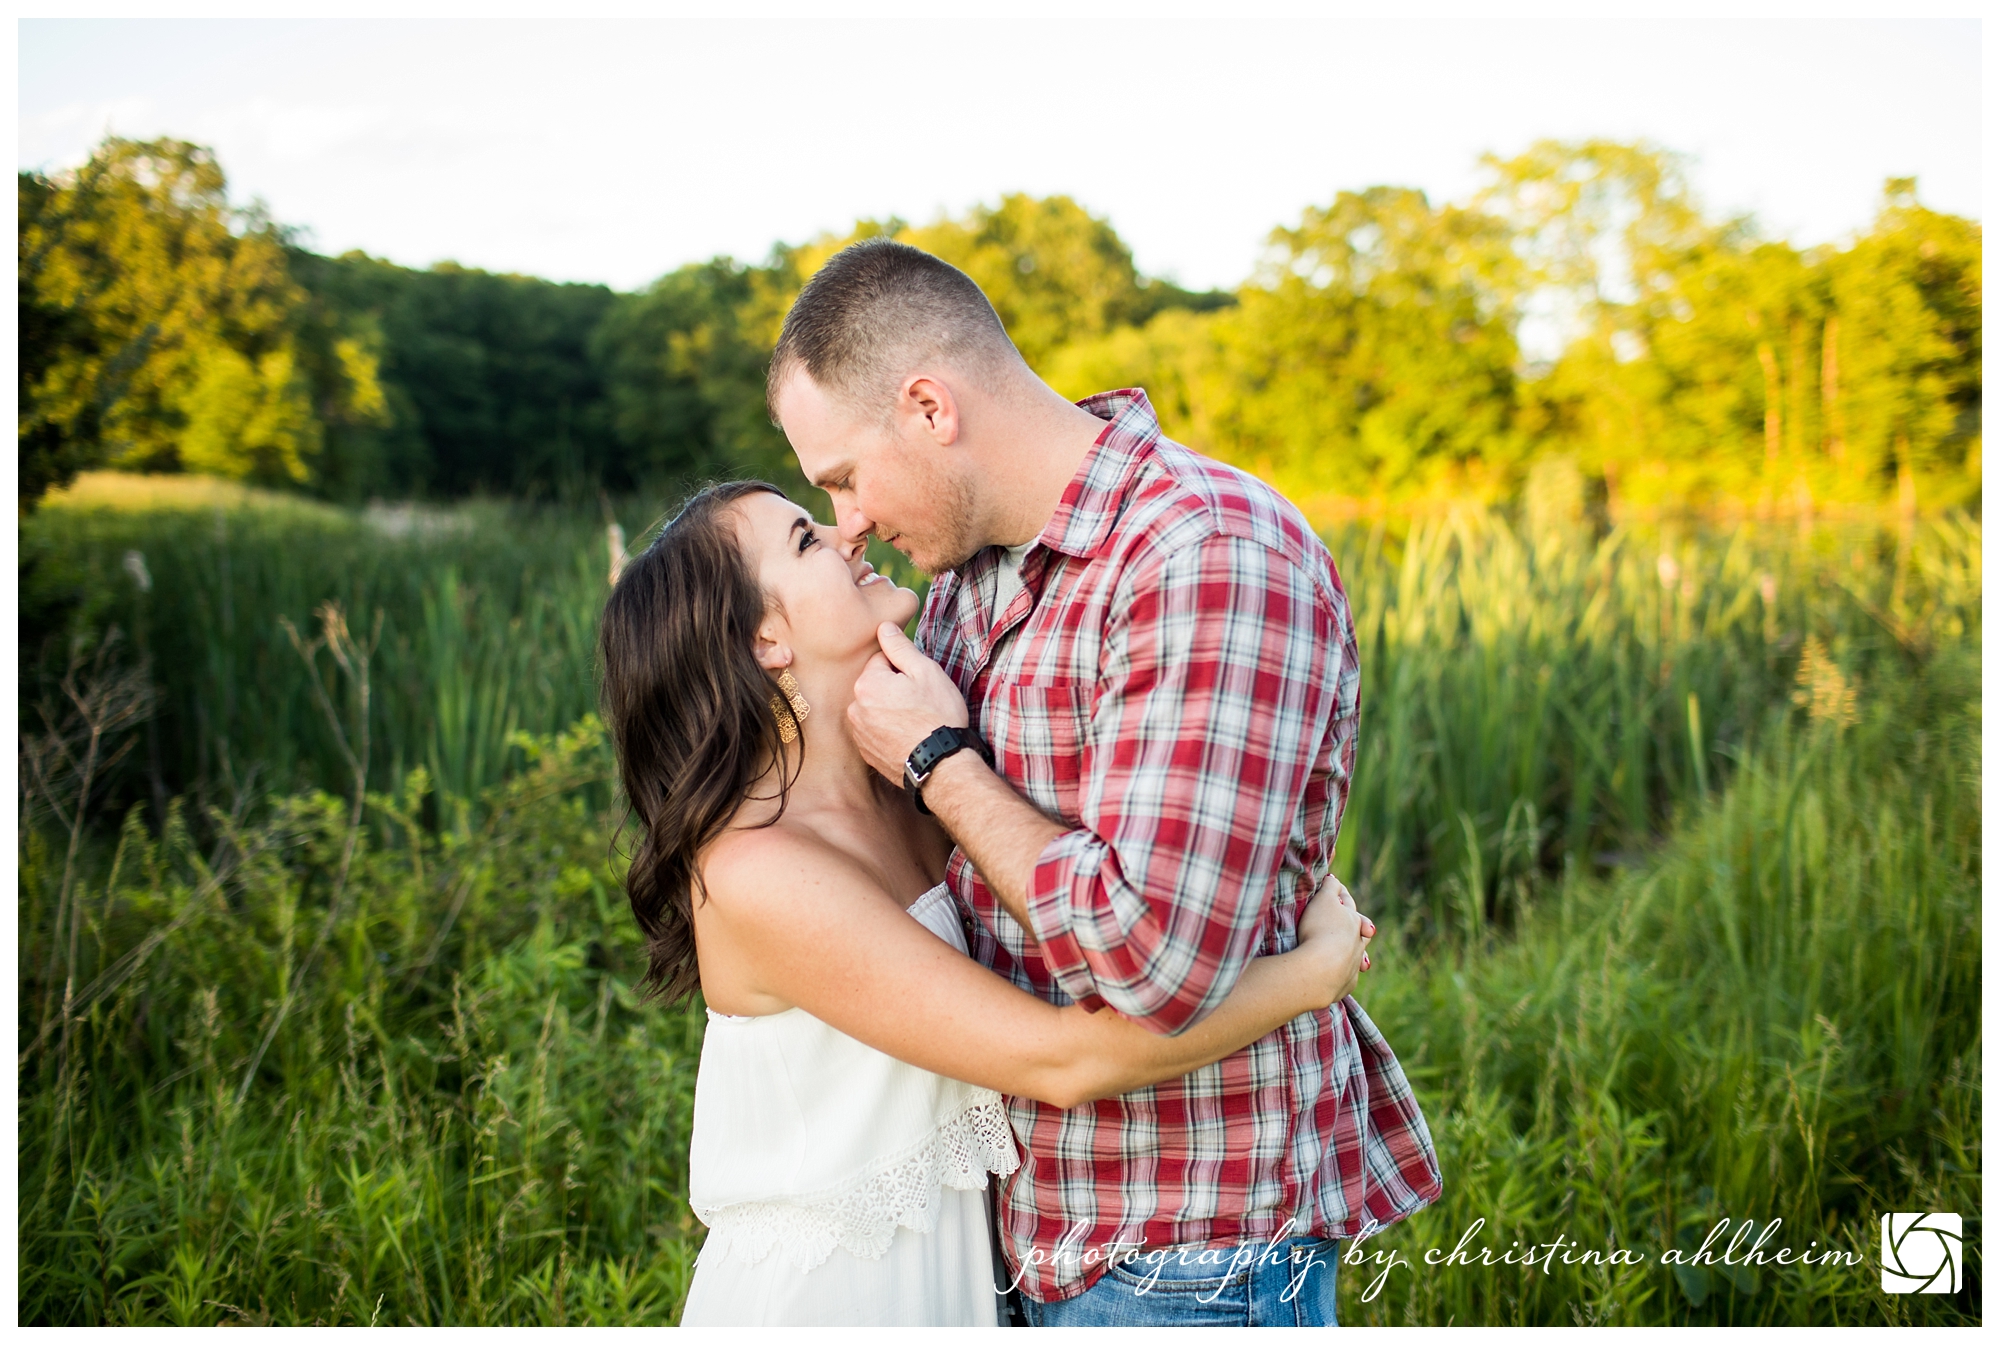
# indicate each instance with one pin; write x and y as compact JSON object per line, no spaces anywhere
{"x":1707,"y":360}
{"x":1375,"y":348}
{"x":488,"y":380}
{"x":61,"y":406}
{"x":165,"y":327}
{"x":1903,"y":383}
{"x":1056,"y":273}
{"x":1595,"y":220}
{"x":1377,"y":352}
{"x":683,"y":365}
{"x":1379,"y":344}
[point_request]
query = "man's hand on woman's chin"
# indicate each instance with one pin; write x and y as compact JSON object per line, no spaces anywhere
{"x":900,"y":697}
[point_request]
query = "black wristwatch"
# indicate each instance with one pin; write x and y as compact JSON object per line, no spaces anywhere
{"x":941,"y":743}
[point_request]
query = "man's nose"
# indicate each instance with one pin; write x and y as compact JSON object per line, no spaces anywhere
{"x":852,"y":525}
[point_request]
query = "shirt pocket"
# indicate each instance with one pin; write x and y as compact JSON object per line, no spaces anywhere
{"x":1048,"y":735}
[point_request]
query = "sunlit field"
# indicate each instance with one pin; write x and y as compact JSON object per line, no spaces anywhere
{"x":326,"y":977}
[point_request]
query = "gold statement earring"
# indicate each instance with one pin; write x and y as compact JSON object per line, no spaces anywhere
{"x":794,"y":693}
{"x":788,"y":719}
{"x":788,"y":727}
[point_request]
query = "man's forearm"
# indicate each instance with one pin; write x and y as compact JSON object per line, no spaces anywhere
{"x":1001,"y":832}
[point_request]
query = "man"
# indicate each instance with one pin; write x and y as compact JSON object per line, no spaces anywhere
{"x":1159,"y":653}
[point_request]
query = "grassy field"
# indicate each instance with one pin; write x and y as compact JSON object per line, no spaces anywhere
{"x":326,"y":976}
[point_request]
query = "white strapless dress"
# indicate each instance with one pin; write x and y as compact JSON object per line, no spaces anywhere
{"x":840,"y":1187}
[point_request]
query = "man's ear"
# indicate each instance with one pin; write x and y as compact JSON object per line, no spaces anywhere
{"x":930,"y":401}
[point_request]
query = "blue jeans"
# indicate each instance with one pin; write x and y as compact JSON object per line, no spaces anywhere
{"x":1287,"y":1283}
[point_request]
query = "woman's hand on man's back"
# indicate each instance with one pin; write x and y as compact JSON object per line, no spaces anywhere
{"x":1336,"y":934}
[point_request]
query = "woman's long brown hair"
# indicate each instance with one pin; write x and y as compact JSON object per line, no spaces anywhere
{"x":690,"y":714}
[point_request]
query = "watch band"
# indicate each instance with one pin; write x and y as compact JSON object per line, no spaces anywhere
{"x":940,"y":743}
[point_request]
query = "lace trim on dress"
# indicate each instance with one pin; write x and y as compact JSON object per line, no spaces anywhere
{"x":862,"y":1215}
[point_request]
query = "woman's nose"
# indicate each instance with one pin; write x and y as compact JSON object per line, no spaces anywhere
{"x":849,"y":547}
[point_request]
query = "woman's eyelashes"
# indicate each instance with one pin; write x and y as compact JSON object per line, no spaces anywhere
{"x":807,"y":537}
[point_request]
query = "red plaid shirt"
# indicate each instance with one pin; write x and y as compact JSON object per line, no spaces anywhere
{"x":1177,"y":681}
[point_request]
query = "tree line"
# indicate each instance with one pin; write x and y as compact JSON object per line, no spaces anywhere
{"x":1377,"y":351}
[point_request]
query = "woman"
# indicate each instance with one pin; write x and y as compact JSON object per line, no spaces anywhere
{"x":846,"y":1112}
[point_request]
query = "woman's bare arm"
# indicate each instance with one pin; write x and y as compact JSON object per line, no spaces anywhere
{"x":1115,"y":1055}
{"x":817,"y":932}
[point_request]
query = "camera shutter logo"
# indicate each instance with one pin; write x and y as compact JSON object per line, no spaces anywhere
{"x":1922,"y":1253}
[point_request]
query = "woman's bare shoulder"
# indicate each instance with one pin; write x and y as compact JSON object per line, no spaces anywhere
{"x":752,"y":869}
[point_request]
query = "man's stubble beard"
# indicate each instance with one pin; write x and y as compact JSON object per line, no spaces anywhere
{"x":956,"y":535}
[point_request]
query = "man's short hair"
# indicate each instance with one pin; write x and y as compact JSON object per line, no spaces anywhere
{"x":876,"y":310}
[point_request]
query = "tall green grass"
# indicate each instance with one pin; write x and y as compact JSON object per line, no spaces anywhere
{"x":1673,"y":834}
{"x":1529,"y":700}
{"x":1776,"y":1020}
{"x":487,"y":616}
{"x":1537,"y":701}
{"x":465,"y":1116}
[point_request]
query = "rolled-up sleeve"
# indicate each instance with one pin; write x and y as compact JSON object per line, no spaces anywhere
{"x":1215,"y":693}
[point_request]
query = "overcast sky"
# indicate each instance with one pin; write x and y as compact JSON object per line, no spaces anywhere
{"x":616,"y":150}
